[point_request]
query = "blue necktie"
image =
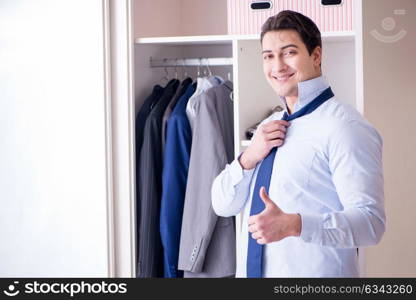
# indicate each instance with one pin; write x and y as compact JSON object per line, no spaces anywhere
{"x":255,"y":250}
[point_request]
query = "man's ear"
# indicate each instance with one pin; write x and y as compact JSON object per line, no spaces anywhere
{"x":317,"y":56}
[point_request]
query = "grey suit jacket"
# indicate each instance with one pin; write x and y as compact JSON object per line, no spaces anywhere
{"x":207,"y":245}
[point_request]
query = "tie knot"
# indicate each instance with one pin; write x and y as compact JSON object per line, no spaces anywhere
{"x":285,"y":116}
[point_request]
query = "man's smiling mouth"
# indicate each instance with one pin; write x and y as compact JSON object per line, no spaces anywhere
{"x":283,"y":77}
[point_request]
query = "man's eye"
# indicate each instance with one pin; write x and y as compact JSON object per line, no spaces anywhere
{"x":267,"y":57}
{"x":290,"y":53}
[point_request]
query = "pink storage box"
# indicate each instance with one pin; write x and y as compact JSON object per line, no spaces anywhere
{"x":244,"y":20}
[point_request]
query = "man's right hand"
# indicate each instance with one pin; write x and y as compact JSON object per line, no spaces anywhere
{"x":267,"y":136}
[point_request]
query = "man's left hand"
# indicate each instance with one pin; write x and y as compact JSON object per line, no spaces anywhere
{"x":272,"y":224}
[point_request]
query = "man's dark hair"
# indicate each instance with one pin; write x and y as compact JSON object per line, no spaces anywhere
{"x":288,"y":19}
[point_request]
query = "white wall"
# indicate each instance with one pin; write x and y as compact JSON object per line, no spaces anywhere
{"x":201,"y":17}
{"x":179,"y":17}
{"x":390,"y":104}
{"x":338,"y":68}
{"x":157,"y":18}
{"x":52,"y":139}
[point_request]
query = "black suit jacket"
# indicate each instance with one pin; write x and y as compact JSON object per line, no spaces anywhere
{"x":150,"y":256}
{"x":141,"y":118}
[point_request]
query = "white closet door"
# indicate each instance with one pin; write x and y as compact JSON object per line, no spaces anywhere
{"x":53,"y":183}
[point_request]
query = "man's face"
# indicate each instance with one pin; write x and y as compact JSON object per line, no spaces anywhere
{"x":286,"y":61}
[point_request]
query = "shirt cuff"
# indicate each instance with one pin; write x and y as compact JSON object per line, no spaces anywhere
{"x":237,"y":172}
{"x":311,"y":227}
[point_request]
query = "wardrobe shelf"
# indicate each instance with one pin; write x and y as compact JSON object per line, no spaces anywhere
{"x":184,"y":40}
{"x":228,"y":39}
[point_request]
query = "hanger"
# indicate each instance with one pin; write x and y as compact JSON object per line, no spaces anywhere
{"x":204,"y":71}
{"x":207,"y":65}
{"x":166,"y":77}
{"x":199,"y":69}
{"x":176,"y":70}
{"x":185,"y":74}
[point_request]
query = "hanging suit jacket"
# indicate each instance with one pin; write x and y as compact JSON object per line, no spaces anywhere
{"x":174,"y":177}
{"x":144,"y":112}
{"x":150,"y":259}
{"x":207,"y":245}
{"x":141,"y":118}
{"x":203,"y":84}
{"x":168,"y":111}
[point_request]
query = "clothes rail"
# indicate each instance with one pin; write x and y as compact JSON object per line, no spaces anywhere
{"x":178,"y":62}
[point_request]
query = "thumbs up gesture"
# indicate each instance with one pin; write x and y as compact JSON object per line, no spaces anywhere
{"x":272,"y":224}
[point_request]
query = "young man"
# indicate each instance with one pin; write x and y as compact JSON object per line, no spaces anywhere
{"x":310,"y":185}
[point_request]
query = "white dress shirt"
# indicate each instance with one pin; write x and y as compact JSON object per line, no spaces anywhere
{"x":329,"y":170}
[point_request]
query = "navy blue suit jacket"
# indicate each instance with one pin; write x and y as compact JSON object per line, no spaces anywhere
{"x":174,"y":178}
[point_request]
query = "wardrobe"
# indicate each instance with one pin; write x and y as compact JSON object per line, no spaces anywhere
{"x":236,"y":57}
{"x":352,"y":60}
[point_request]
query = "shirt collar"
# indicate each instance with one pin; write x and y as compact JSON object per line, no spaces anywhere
{"x":307,"y":91}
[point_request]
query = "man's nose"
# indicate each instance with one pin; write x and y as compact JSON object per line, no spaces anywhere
{"x":279,"y":65}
